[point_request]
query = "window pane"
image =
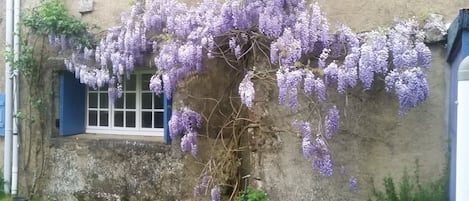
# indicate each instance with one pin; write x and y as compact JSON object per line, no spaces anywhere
{"x":158,"y":120}
{"x":130,"y":85}
{"x":119,"y":119}
{"x":146,"y":100}
{"x":159,"y":101}
{"x":119,"y":103}
{"x":91,"y":89}
{"x":92,"y":118}
{"x":103,"y":118}
{"x":103,"y":101}
{"x":130,"y":100}
{"x":146,"y":82}
{"x":93,"y":100}
{"x":146,"y":119}
{"x":129,"y":119}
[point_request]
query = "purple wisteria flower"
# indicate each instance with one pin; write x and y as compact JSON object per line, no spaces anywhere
{"x":331,"y":122}
{"x":346,"y":78}
{"x":410,"y":86}
{"x":407,"y":47}
{"x":305,"y":130}
{"x":286,"y":49}
{"x":322,"y":58}
{"x":270,"y":19}
{"x":424,"y":55}
{"x":287,"y":82}
{"x":215,"y":194}
{"x":156,"y":85}
{"x":331,"y":73}
{"x":115,"y":92}
{"x":185,"y":122}
{"x":303,"y":127}
{"x":315,"y":148}
{"x":246,"y":90}
{"x":311,"y":28}
{"x":373,"y":58}
{"x":353,"y":183}
{"x":311,"y":83}
{"x":308,"y":148}
{"x":322,"y":158}
{"x":175,"y":61}
{"x":237,"y":51}
{"x":347,"y":37}
{"x":204,"y":184}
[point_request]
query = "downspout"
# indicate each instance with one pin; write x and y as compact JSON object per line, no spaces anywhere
{"x":8,"y":99}
{"x":16,"y":47}
{"x":462,"y":163}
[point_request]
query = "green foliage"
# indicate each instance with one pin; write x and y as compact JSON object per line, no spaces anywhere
{"x":3,"y":196}
{"x":250,"y":194}
{"x":51,"y":18}
{"x":25,"y":63}
{"x":411,"y":189}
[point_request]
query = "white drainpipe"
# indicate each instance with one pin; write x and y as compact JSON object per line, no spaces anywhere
{"x":462,"y":152}
{"x":8,"y":100}
{"x":16,"y":47}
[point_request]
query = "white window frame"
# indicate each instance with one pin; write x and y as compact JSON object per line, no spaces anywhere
{"x":138,"y":130}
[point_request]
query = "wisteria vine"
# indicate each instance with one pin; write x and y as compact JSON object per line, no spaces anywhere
{"x":294,"y":37}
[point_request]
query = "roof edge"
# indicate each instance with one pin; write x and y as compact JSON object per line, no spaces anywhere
{"x":460,"y":24}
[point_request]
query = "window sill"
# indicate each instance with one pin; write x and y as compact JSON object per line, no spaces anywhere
{"x":116,"y":144}
{"x":97,"y":137}
{"x":128,"y":132}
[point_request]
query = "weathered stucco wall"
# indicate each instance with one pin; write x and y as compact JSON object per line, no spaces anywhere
{"x":373,"y":140}
{"x":369,"y":14}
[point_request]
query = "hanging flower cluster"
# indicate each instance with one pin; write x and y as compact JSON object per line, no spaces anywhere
{"x":409,"y":56}
{"x":315,"y":148}
{"x":185,"y":123}
{"x":246,"y":90}
{"x":331,"y":122}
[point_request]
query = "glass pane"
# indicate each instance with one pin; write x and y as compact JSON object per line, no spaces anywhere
{"x":92,"y":118}
{"x":103,"y":101}
{"x":130,"y":85}
{"x":119,"y":103}
{"x":158,"y":120}
{"x":146,"y":119}
{"x":130,"y":100}
{"x":103,"y":118}
{"x":91,"y":89}
{"x":92,"y":100}
{"x":119,"y":119}
{"x":159,"y":101}
{"x":146,"y":82}
{"x":146,"y":100}
{"x":129,"y":119}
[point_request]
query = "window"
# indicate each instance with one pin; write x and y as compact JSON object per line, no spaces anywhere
{"x":137,"y":112}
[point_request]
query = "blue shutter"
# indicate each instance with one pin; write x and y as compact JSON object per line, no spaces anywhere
{"x":166,"y":116}
{"x":72,"y":105}
{"x":2,"y":114}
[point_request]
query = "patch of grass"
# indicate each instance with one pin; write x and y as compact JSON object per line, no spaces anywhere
{"x":411,"y":189}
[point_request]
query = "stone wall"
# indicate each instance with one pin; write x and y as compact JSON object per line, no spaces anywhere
{"x":111,"y":169}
